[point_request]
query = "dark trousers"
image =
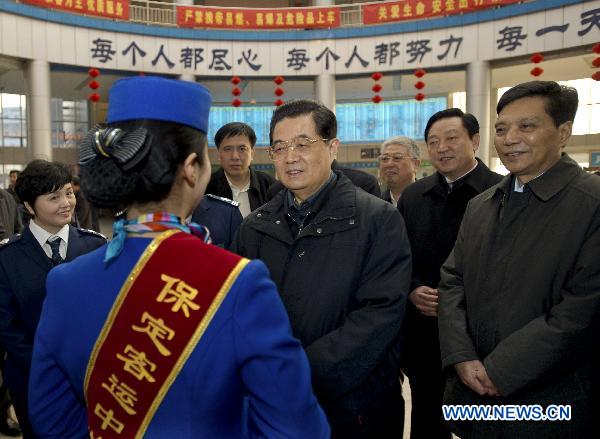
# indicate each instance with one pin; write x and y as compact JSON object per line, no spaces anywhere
{"x":20,"y":403}
{"x":427,"y":388}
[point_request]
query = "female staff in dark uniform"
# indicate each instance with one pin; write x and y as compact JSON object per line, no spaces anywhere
{"x":173,"y":337}
{"x":25,"y":260}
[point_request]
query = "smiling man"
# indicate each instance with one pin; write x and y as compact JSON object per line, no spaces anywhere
{"x":236,"y":180}
{"x":520,"y":294}
{"x":341,"y":261}
{"x":398,"y":163}
{"x":433,"y":208}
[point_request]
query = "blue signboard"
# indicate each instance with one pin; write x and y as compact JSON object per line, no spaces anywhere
{"x":594,"y":159}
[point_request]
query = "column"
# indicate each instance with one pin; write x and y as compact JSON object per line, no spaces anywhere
{"x":186,"y":76}
{"x":478,"y":103}
{"x":325,"y":90}
{"x":38,"y":104}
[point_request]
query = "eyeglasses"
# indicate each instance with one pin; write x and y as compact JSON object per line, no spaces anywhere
{"x":302,"y":145}
{"x":396,"y":158}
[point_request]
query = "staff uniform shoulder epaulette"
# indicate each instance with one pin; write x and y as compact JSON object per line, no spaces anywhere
{"x":92,"y":232}
{"x":7,"y":241}
{"x":224,"y":200}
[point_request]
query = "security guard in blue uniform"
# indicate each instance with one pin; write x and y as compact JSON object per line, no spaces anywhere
{"x":25,"y":260}
{"x":221,"y":216}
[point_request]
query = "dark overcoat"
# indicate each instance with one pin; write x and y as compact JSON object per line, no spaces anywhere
{"x":343,"y":280}
{"x":257,"y":193}
{"x":521,"y":292}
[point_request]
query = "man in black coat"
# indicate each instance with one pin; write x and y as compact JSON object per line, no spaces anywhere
{"x":433,"y":208}
{"x":236,"y":180}
{"x":341,"y":261}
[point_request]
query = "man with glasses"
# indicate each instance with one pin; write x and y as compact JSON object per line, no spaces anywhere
{"x":341,"y":261}
{"x":236,"y":180}
{"x":433,"y":208}
{"x":398,"y":163}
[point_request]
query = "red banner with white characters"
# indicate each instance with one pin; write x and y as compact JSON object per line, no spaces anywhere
{"x":389,"y":12}
{"x":239,"y":18}
{"x":100,"y":8}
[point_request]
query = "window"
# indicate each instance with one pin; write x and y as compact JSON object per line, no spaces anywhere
{"x":357,"y":121}
{"x":69,"y":122}
{"x":13,"y":116}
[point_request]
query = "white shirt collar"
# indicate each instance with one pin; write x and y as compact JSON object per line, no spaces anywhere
{"x":456,"y":179}
{"x":235,"y":189}
{"x":41,"y":235}
{"x":518,"y":187}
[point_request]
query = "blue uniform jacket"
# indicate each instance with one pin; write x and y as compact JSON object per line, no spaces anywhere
{"x":247,"y":377}
{"x":23,"y":270}
{"x":222,"y":217}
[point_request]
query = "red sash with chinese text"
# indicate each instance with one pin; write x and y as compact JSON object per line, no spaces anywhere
{"x":163,"y":309}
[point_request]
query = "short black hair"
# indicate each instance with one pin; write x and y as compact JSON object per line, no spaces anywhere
{"x":468,"y":120}
{"x":41,"y":177}
{"x":323,"y":117}
{"x":107,"y":185}
{"x":561,"y":101}
{"x":233,"y":129}
{"x":14,"y":171}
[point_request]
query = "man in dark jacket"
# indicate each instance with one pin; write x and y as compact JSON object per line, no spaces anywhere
{"x":236,"y":180}
{"x":341,"y":261}
{"x":398,"y":163}
{"x":520,"y":293}
{"x":433,"y":208}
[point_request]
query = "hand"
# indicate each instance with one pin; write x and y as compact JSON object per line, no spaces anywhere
{"x":425,"y":299}
{"x":473,"y":375}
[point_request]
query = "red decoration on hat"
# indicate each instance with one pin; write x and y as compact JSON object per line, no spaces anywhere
{"x":596,"y":76}
{"x":236,"y":102}
{"x":236,"y":91}
{"x":376,"y":76}
{"x":236,"y":80}
{"x":94,"y":97}
{"x":278,"y":102}
{"x":420,"y":73}
{"x":377,"y":88}
{"x":419,"y":85}
{"x":279,"y":80}
{"x":93,"y":72}
{"x":537,"y":58}
{"x":596,"y":62}
{"x":419,"y":96}
{"x":536,"y":71}
{"x":596,"y":48}
{"x":279,"y":91}
{"x":377,"y":99}
{"x":94,"y":85}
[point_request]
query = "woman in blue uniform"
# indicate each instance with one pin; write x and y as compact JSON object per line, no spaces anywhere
{"x":25,"y":260}
{"x":159,"y":334}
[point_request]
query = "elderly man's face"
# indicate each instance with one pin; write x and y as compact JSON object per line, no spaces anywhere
{"x":451,"y":150}
{"x":527,"y":141}
{"x":303,"y":172}
{"x":397,"y":167}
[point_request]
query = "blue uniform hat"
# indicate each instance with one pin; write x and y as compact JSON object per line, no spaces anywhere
{"x":155,"y":98}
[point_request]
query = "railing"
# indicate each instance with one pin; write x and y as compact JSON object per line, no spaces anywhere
{"x":165,"y":13}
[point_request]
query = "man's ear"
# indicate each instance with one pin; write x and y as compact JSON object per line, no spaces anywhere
{"x":476,"y":139}
{"x":334,"y":147}
{"x":565,"y":130}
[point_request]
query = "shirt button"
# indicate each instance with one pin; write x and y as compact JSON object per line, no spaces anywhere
{"x":351,"y":221}
{"x":259,"y":214}
{"x":319,"y":230}
{"x":301,"y":253}
{"x":277,"y":222}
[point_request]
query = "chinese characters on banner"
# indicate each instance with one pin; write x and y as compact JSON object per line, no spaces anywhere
{"x":100,"y":8}
{"x":416,"y":9}
{"x":237,"y":18}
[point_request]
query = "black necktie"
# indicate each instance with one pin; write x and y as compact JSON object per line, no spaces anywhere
{"x":55,"y":246}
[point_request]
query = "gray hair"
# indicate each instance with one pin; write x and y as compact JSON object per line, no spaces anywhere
{"x":413,"y":148}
